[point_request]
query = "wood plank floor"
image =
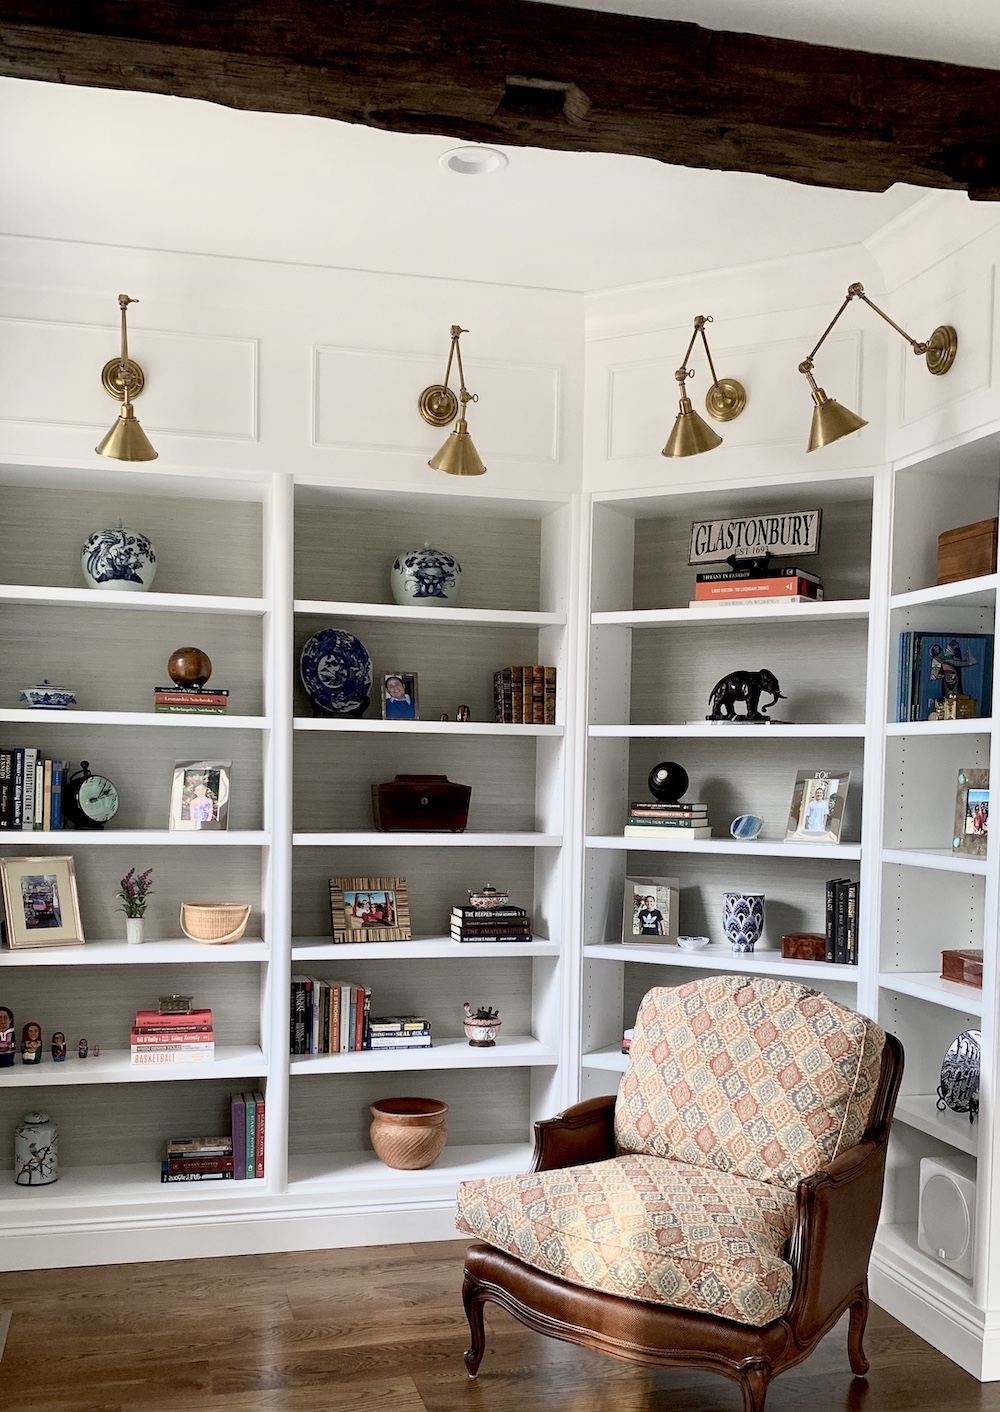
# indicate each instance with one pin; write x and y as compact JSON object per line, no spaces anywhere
{"x":378,"y":1330}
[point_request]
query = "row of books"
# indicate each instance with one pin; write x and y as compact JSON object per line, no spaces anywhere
{"x":842,"y":922}
{"x":172,"y":1039}
{"x":935,"y":667}
{"x":401,"y":1032}
{"x":651,"y":818}
{"x":329,"y":1017}
{"x":238,"y":1157}
{"x":790,"y":585}
{"x":31,"y":790}
{"x":525,"y":696}
{"x":505,"y":923}
{"x":190,"y":701}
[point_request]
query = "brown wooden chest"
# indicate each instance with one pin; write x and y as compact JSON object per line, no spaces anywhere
{"x":803,"y":946}
{"x":421,"y":803}
{"x":967,"y":552}
{"x":965,"y":967}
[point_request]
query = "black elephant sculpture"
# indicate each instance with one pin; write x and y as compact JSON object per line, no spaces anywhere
{"x":748,"y":687}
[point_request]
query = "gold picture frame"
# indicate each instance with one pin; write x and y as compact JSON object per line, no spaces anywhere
{"x":41,"y":902}
{"x":369,"y":909}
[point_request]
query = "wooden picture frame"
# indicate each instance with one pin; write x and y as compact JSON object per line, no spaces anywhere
{"x":41,"y":902}
{"x":199,"y":795}
{"x":972,"y":806}
{"x":816,"y":813}
{"x":369,"y":909}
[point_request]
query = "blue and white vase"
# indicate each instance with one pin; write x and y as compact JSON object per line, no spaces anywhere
{"x":743,"y":919}
{"x":36,"y":1151}
{"x":426,"y":578}
{"x":118,"y":558}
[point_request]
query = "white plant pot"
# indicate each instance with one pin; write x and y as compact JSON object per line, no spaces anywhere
{"x":133,"y":930}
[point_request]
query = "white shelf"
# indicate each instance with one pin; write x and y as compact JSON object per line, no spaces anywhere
{"x":73,"y":717}
{"x":124,"y":1184}
{"x":941,"y":859}
{"x":720,"y":958}
{"x":64,"y":839}
{"x":611,"y":1059}
{"x":920,"y":1110}
{"x":768,"y":849}
{"x":515,"y":1052}
{"x":721,"y":730}
{"x":308,"y":723}
{"x":334,"y":1171}
{"x":392,"y":612}
{"x":927,"y":985}
{"x":232,"y":1061}
{"x":180,"y":952}
{"x":979,"y":725}
{"x":833,"y":612}
{"x":970,"y":593}
{"x":896,"y":1248}
{"x":116,"y":598}
{"x":371,"y":838}
{"x":321,"y":948}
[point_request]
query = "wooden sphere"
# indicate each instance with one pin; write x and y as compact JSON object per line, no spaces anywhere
{"x":189,"y":666}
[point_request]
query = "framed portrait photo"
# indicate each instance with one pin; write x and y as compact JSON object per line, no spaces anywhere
{"x":816,"y":814}
{"x":369,"y":909}
{"x":399,"y":696}
{"x":650,"y":912}
{"x":40,"y":902}
{"x":972,"y":813}
{"x":199,"y":796}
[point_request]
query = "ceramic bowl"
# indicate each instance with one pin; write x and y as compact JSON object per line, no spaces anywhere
{"x":692,"y":943}
{"x":48,"y":697}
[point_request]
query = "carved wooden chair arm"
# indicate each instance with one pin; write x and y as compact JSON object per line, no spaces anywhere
{"x":583,"y":1133}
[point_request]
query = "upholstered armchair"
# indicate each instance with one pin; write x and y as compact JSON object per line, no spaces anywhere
{"x":719,"y":1212}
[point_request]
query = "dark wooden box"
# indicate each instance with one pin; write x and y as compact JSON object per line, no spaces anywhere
{"x":966,"y":967}
{"x":804,"y":946}
{"x":421,"y":803}
{"x":967,"y":552}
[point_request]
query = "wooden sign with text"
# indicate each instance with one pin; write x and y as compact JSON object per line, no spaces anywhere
{"x":755,"y":537}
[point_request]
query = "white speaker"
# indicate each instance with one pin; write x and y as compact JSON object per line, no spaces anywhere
{"x":946,"y":1219}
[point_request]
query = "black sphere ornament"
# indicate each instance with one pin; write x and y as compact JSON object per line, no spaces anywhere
{"x":667,"y":781}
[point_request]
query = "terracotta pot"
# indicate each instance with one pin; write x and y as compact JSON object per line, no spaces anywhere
{"x":408,"y":1133}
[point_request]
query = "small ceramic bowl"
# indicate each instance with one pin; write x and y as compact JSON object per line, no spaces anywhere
{"x":746,"y":826}
{"x":692,"y":943}
{"x":48,"y":697}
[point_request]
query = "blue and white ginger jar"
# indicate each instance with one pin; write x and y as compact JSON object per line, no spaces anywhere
{"x":426,"y":578}
{"x":743,"y":919}
{"x":118,"y":558}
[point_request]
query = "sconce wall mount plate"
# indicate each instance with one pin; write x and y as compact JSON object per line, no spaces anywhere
{"x":691,"y":435}
{"x":115,"y":374}
{"x":438,"y":405}
{"x":123,"y":379}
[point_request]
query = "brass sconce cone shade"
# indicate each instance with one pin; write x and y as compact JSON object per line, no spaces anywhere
{"x":831,"y":421}
{"x":458,"y":456}
{"x":126,"y":441}
{"x":691,"y":434}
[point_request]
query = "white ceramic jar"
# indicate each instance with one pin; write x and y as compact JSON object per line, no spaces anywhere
{"x":36,"y":1151}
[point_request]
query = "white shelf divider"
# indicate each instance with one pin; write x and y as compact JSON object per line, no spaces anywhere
{"x":720,"y":730}
{"x":314,"y":1173}
{"x":511,"y":1052}
{"x":66,"y":839}
{"x":941,"y":859}
{"x":927,"y":985}
{"x":371,"y":838}
{"x":752,"y":847}
{"x":148,"y":602}
{"x":610,"y":1058}
{"x":972,"y":593}
{"x":308,"y":723}
{"x":848,"y":608}
{"x":172,"y":952}
{"x":721,"y":958}
{"x":920,"y":1110}
{"x":456,"y":617}
{"x":321,"y":948}
{"x":232,"y":1061}
{"x":979,"y":725}
{"x":72,"y":717}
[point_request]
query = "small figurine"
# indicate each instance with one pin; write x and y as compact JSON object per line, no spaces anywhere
{"x":481,"y":1027}
{"x":31,"y":1043}
{"x":443,"y":716}
{"x":175,"y":1004}
{"x":6,"y":1038}
{"x":97,"y":1052}
{"x":58,"y":1047}
{"x":463,"y":714}
{"x":747,"y":687}
{"x":82,"y":1049}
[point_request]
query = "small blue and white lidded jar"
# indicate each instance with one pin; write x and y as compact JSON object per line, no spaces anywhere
{"x":426,"y":578}
{"x":118,"y":558}
{"x":36,"y":1151}
{"x":743,"y":919}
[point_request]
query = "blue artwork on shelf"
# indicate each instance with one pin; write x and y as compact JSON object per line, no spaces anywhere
{"x":937,"y":666}
{"x":336,"y":671}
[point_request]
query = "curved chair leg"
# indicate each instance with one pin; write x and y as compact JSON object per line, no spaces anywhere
{"x":474,"y":1298}
{"x":856,"y":1334}
{"x":754,"y":1380}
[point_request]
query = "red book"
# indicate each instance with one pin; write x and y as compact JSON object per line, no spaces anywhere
{"x":755,"y":588}
{"x":199,"y":1164}
{"x":153,"y":1022}
{"x":172,"y":1036}
{"x":258,"y":1153}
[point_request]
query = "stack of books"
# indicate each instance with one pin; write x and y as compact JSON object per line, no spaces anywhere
{"x":842,"y":922}
{"x":191,"y":700}
{"x":329,"y":1017}
{"x":743,"y":586}
{"x":504,"y":923}
{"x":525,"y":696}
{"x":247,"y":1113}
{"x":653,"y":819}
{"x":173,"y":1039}
{"x":935,"y":667}
{"x":198,"y":1159}
{"x":31,"y":790}
{"x":400,"y":1032}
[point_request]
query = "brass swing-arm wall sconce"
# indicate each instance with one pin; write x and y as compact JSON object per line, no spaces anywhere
{"x":123,"y":378}
{"x":724,"y":401}
{"x":439,"y":405}
{"x":830,"y":420}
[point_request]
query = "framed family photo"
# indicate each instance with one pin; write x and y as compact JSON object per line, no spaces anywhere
{"x":816,"y":814}
{"x":399,"y":696}
{"x":972,"y":813}
{"x":199,"y":796}
{"x":650,"y":912}
{"x":40,"y":902}
{"x":369,"y":909}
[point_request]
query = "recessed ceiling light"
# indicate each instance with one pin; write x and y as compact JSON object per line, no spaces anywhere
{"x":474,"y":161}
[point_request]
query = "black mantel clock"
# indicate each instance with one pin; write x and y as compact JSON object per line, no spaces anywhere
{"x":89,"y":801}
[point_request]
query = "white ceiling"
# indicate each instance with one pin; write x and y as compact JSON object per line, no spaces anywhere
{"x":172,"y":174}
{"x":959,"y":31}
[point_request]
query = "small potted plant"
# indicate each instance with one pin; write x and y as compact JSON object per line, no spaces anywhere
{"x":133,"y":892}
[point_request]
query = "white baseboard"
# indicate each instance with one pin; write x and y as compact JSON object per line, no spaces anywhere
{"x":945,"y":1317}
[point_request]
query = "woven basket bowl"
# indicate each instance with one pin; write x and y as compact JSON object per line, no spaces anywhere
{"x":408,"y":1133}
{"x":215,"y":923}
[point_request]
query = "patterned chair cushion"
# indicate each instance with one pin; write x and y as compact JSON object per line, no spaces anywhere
{"x":744,"y":1074}
{"x":645,"y":1228}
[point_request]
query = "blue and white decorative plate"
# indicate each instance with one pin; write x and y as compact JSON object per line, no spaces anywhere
{"x":337,"y":672}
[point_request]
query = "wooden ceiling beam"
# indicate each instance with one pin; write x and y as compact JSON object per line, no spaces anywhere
{"x":519,"y":73}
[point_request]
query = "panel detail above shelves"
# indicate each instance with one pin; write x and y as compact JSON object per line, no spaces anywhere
{"x":510,"y":1052}
{"x":460,"y":728}
{"x":373,"y":839}
{"x":920,"y":1110}
{"x":751,"y":847}
{"x":150,"y":953}
{"x":421,"y":948}
{"x":721,"y":958}
{"x":391,"y":612}
{"x":114,"y":1066}
{"x":969,"y":593}
{"x":927,"y":985}
{"x":736,"y":613}
{"x":150,"y":602}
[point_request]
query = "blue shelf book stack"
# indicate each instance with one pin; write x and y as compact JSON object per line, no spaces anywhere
{"x":937,"y":666}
